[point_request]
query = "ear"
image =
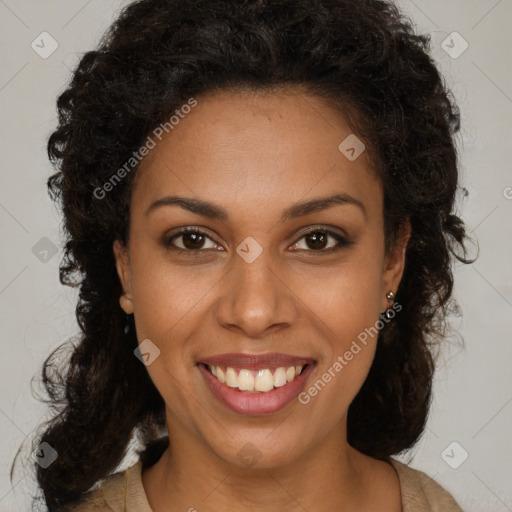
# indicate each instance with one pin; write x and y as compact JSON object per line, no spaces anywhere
{"x":122,"y":260}
{"x":394,"y":262}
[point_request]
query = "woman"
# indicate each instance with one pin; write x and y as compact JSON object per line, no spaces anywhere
{"x":258,"y":202}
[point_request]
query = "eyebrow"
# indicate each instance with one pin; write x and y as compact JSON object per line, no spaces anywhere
{"x":300,"y":209}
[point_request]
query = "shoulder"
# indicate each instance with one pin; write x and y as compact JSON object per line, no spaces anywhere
{"x":420,"y":493}
{"x":112,"y":494}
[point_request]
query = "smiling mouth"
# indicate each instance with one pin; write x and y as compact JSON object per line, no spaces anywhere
{"x":256,"y":384}
{"x":260,"y":380}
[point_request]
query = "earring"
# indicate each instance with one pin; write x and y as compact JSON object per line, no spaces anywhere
{"x":391,"y":299}
{"x":127,"y":326}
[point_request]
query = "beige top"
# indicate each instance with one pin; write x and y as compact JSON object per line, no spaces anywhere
{"x":124,"y":492}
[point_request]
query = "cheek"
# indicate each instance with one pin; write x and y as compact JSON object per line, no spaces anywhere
{"x":167,"y":308}
{"x":347,"y":303}
{"x":349,"y":349}
{"x":347,"y":298}
{"x":168,"y":304}
{"x":166,"y":297}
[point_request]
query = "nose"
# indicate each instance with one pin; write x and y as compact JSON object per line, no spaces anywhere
{"x":256,"y":299}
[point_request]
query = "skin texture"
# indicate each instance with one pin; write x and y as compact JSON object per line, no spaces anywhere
{"x":255,"y":155}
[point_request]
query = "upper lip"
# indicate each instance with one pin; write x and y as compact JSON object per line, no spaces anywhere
{"x":269,"y":360}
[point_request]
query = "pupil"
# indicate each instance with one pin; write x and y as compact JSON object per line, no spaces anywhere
{"x":197,"y":240}
{"x":318,"y":240}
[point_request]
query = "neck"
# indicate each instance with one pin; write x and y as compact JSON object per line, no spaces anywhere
{"x":189,"y":476}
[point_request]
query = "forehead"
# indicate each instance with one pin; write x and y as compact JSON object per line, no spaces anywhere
{"x":246,"y":148}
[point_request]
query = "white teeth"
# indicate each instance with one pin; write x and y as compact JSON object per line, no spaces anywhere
{"x":231,"y":378}
{"x":264,"y":381}
{"x":257,"y":381}
{"x":245,"y":380}
{"x":290,"y":373}
{"x":279,"y":377}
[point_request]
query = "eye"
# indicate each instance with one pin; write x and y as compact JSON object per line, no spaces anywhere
{"x":192,"y":240}
{"x":316,"y":239}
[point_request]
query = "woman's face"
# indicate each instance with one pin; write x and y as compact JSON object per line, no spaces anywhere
{"x":251,"y":169}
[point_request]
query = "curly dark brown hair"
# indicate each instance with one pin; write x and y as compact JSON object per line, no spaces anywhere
{"x":364,"y":58}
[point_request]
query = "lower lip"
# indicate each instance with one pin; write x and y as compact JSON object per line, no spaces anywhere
{"x":244,"y":402}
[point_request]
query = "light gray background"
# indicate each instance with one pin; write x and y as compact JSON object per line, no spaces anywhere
{"x":473,"y":391}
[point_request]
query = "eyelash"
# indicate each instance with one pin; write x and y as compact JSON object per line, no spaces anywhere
{"x":342,"y":241}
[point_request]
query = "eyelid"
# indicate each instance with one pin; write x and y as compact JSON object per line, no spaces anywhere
{"x":324,"y":229}
{"x":167,"y":239}
{"x":343,"y":239}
